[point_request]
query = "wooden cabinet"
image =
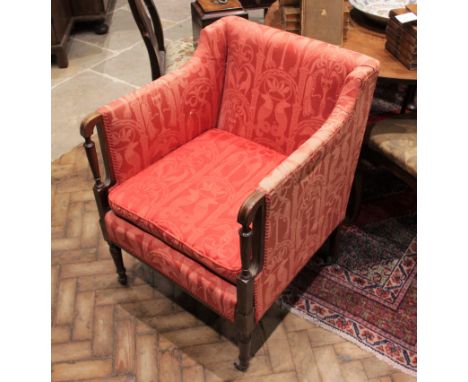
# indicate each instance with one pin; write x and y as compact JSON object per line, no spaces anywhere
{"x":65,"y":13}
{"x":89,"y":7}
{"x":62,"y":23}
{"x":92,"y":10}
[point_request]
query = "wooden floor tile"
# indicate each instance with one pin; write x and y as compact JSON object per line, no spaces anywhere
{"x":146,"y":359}
{"x":72,"y":351}
{"x":353,"y":372}
{"x":70,"y":371}
{"x":103,"y":331}
{"x":65,"y":302}
{"x":328,"y":365}
{"x":303,"y":356}
{"x":124,"y":347}
{"x":193,"y":374}
{"x":83,"y":324}
{"x":61,"y":334}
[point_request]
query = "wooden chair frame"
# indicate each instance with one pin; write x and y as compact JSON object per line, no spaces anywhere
{"x":152,"y":34}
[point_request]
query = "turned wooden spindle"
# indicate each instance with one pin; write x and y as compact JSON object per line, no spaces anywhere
{"x":251,"y":218}
{"x":91,"y":153}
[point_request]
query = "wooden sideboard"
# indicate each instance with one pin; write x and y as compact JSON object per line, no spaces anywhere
{"x":65,"y":13}
{"x":255,"y":4}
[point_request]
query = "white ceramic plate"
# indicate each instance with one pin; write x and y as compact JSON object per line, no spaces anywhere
{"x":379,"y":9}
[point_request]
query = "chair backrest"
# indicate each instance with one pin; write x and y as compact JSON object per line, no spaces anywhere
{"x":147,"y":19}
{"x":280,"y":87}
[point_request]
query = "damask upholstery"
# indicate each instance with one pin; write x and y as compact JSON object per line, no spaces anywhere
{"x":147,"y":124}
{"x":255,"y":109}
{"x":190,"y":198}
{"x":307,"y":194}
{"x":281,"y":87}
{"x":397,"y":140}
{"x":219,"y":294}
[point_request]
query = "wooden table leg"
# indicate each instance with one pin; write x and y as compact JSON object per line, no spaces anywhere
{"x":408,"y":101}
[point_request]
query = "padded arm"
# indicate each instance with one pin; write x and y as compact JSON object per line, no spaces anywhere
{"x":306,"y":196}
{"x":150,"y":122}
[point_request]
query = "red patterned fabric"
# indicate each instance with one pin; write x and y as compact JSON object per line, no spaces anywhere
{"x":307,"y":194}
{"x":150,"y":122}
{"x":280,"y":87}
{"x":200,"y":282}
{"x":191,"y":197}
{"x":270,"y":94}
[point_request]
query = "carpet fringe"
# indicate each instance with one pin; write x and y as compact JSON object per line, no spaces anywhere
{"x":349,"y":338}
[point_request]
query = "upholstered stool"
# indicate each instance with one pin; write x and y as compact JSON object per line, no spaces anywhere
{"x":396,"y":140}
{"x":206,"y":12}
{"x":391,"y":144}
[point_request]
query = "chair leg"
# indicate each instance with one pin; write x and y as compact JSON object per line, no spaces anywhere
{"x":245,"y":345}
{"x":355,"y":199}
{"x":245,"y":320}
{"x":116,"y":253}
{"x":332,"y":253}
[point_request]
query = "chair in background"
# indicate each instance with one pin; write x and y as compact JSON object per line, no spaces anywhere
{"x":391,"y":144}
{"x":147,"y":19}
{"x":228,"y":174}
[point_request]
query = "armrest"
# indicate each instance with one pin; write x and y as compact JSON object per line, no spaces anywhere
{"x":152,"y":121}
{"x":307,"y":194}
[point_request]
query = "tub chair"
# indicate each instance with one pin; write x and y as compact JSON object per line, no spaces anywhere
{"x":228,"y":174}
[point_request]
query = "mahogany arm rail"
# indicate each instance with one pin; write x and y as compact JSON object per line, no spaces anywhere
{"x":101,"y":187}
{"x":252,"y":218}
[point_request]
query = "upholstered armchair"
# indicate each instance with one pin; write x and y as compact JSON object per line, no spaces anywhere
{"x":228,"y":174}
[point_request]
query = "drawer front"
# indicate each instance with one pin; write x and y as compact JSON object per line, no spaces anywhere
{"x":256,"y":3}
{"x":88,"y":7}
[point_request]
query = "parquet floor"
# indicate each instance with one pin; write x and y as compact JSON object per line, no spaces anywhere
{"x":150,"y":330}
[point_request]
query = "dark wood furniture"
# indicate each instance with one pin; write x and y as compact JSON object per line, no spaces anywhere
{"x":62,"y":23}
{"x":66,"y":13}
{"x":152,"y":34}
{"x":203,"y":17}
{"x":368,"y":37}
{"x":92,"y":11}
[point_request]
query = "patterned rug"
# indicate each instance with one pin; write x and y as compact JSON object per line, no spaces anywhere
{"x":369,"y":295}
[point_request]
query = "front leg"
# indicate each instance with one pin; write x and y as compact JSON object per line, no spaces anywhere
{"x":116,"y":253}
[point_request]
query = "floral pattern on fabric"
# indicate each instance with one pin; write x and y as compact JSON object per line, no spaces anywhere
{"x":191,"y":197}
{"x":201,"y":283}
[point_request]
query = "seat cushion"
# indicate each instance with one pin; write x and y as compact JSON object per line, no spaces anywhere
{"x":190,"y":198}
{"x":397,"y":140}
